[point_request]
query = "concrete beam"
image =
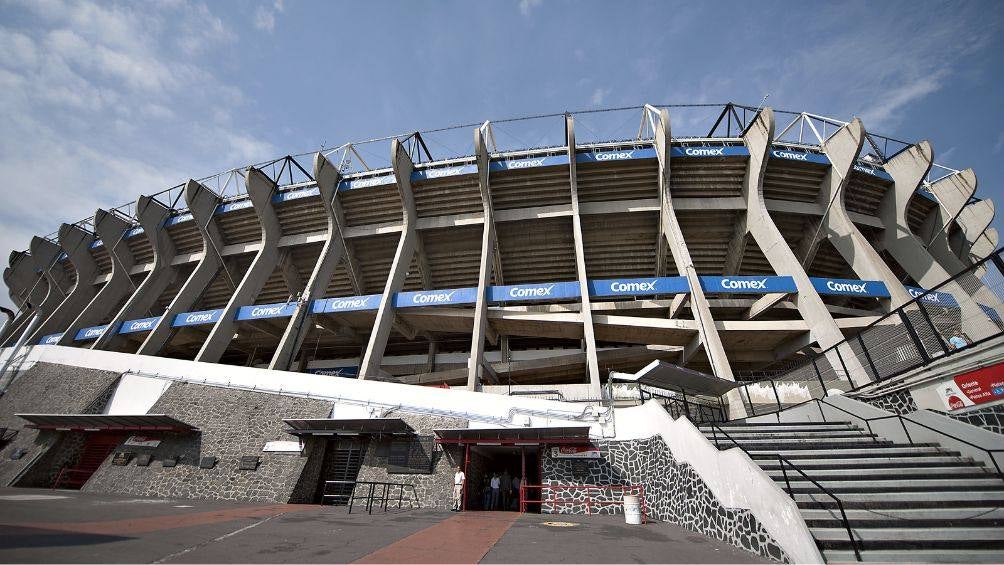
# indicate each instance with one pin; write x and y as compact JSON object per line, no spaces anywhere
{"x":764,"y":304}
{"x":985,"y":245}
{"x":973,"y":220}
{"x":76,"y":243}
{"x":679,"y":301}
{"x":382,"y":325}
{"x":588,"y":335}
{"x":952,"y":192}
{"x":737,"y":245}
{"x":822,"y":328}
{"x":673,"y":234}
{"x":333,"y":252}
{"x":151,"y":215}
{"x":111,"y":229}
{"x":26,"y":288}
{"x":44,"y":257}
{"x":202,"y":203}
{"x":489,"y":256}
{"x":260,"y":190}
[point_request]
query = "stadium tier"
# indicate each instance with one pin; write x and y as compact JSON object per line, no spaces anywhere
{"x":736,"y":254}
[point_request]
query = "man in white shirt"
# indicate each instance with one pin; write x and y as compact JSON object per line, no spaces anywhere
{"x":458,"y":489}
{"x":495,"y":484}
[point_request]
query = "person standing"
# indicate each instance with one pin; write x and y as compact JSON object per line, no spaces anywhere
{"x":506,"y":486}
{"x":495,"y":484}
{"x":459,"y":478}
{"x":516,"y":495}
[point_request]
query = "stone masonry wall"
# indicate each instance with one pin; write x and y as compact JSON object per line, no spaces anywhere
{"x":990,"y":418}
{"x":434,"y":490}
{"x":47,"y":388}
{"x":232,"y":424}
{"x":673,"y":492}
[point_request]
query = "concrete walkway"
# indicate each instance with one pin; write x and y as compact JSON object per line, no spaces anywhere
{"x":49,"y":526}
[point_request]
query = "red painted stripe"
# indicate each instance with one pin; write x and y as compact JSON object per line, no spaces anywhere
{"x":464,"y":538}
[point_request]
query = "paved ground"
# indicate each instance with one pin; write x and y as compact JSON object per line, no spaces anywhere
{"x":51,"y":526}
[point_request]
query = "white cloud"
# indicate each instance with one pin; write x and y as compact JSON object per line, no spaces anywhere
{"x":104,"y":102}
{"x":264,"y":16}
{"x":526,"y":6}
{"x":599,"y":95}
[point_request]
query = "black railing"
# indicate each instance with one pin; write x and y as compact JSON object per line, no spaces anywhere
{"x":782,"y":461}
{"x":962,"y":312}
{"x":374,"y":493}
{"x":698,"y":409}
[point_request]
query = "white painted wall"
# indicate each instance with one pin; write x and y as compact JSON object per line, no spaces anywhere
{"x":135,"y":395}
{"x":734,"y":479}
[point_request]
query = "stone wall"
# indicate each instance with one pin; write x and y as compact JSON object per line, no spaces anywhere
{"x":990,"y":418}
{"x":47,"y":388}
{"x":434,"y":490}
{"x":673,"y":492}
{"x":232,"y":423}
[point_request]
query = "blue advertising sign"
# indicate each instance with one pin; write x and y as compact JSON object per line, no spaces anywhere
{"x":366,"y":182}
{"x":849,"y":287}
{"x":295,"y":194}
{"x":234,"y":206}
{"x":706,"y":151}
{"x":180,"y":218}
{"x":50,"y":339}
{"x":528,"y":163}
{"x":441,"y":172}
{"x":467,"y":295}
{"x":134,"y":232}
{"x":748,"y":285}
{"x":934,"y":298}
{"x":143,"y":325}
{"x":97,"y":243}
{"x":265,"y":311}
{"x":335,"y":371}
{"x":197,"y":318}
{"x":638,"y":287}
{"x":533,"y":291}
{"x":869,"y":170}
{"x":614,"y":155}
{"x":93,"y":332}
{"x":793,"y":155}
{"x":347,"y":304}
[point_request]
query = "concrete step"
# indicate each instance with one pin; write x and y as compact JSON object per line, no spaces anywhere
{"x":915,"y":538}
{"x":891,"y":486}
{"x":805,"y":443}
{"x":778,"y":425}
{"x":915,"y":499}
{"x":916,"y":556}
{"x":826,"y":434}
{"x":906,"y":517}
{"x":919,"y":462}
{"x":880,"y":473}
{"x":853,"y":452}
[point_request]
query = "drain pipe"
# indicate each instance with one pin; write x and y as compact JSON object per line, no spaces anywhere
{"x":4,"y":378}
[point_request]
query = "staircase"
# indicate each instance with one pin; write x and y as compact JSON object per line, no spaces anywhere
{"x":904,"y":502}
{"x":343,"y":459}
{"x":97,"y":447}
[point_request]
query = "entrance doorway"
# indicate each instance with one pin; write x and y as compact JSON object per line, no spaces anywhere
{"x":508,"y":462}
{"x":343,"y":457}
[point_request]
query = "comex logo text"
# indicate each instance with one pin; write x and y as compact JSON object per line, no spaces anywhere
{"x":846,"y":287}
{"x":531,"y":292}
{"x":617,"y":286}
{"x":744,"y":285}
{"x":434,"y":298}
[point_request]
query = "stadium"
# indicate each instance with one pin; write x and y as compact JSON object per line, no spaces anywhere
{"x":608,"y":313}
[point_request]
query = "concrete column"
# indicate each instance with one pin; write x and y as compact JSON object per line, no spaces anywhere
{"x":842,"y":150}
{"x":327,"y":176}
{"x":707,"y":331}
{"x":477,"y":360}
{"x":76,"y":243}
{"x":45,"y":255}
{"x":202,"y":204}
{"x":908,"y":170}
{"x":822,"y":328}
{"x":973,"y":220}
{"x":151,"y":215}
{"x":952,"y":192}
{"x":111,"y":229}
{"x":588,"y":336}
{"x":985,"y":245}
{"x":260,"y":190}
{"x":26,"y":290}
{"x":382,"y":325}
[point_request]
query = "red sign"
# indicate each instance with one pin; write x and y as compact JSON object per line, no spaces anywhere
{"x":576,"y":452}
{"x":975,"y":387}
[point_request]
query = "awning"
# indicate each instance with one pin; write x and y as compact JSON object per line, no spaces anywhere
{"x":105,"y":422}
{"x":514,"y":436}
{"x":660,"y":374}
{"x":346,"y":427}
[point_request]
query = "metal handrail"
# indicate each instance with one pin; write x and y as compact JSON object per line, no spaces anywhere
{"x":782,"y":460}
{"x":371,"y":495}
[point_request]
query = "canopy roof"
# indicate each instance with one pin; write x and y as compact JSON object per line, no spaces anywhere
{"x":512,"y":436}
{"x":102,"y":422}
{"x":356,"y":426}
{"x":660,"y":374}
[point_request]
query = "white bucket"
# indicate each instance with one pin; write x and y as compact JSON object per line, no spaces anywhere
{"x":632,"y":509}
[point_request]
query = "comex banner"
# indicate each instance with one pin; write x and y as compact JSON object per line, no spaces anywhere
{"x":747,"y":285}
{"x":638,"y":287}
{"x":846,"y":287}
{"x":933,"y":298}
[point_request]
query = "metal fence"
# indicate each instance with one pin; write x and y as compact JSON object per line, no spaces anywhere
{"x":965,"y":311}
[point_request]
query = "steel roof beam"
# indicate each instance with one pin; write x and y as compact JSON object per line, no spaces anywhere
{"x":76,"y":243}
{"x":202,"y":203}
{"x":111,"y":228}
{"x":759,"y":138}
{"x":332,"y":253}
{"x":151,"y":215}
{"x":260,"y":189}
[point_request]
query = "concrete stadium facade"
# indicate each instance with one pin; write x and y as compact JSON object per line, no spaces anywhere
{"x":726,"y":253}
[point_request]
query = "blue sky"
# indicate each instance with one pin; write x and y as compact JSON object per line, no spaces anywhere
{"x":103,"y":101}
